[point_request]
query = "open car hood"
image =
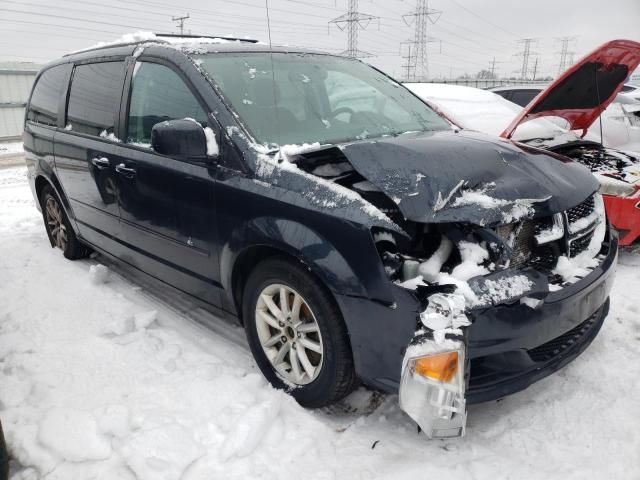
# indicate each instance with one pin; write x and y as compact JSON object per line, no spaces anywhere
{"x":582,"y":92}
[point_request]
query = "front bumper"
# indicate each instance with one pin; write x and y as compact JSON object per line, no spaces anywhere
{"x":512,"y":346}
{"x":508,"y":347}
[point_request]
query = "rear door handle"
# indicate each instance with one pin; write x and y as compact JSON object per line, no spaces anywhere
{"x":125,"y":171}
{"x":100,"y":162}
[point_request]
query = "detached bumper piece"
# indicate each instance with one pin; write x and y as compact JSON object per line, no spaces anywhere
{"x":432,"y":388}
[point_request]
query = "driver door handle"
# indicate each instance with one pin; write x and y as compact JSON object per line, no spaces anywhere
{"x":125,"y":171}
{"x":100,"y":162}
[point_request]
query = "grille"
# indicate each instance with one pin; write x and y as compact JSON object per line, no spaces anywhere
{"x":521,"y":238}
{"x":544,"y":259}
{"x":583,"y":210}
{"x":579,"y":245}
{"x":555,"y":347}
{"x":523,"y":244}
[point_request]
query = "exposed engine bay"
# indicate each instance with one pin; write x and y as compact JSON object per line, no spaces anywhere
{"x":487,"y":264}
{"x":619,"y":165}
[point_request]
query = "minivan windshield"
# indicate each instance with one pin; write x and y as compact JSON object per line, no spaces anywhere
{"x":315,"y":98}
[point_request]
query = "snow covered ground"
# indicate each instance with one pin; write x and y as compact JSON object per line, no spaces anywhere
{"x":104,"y":377}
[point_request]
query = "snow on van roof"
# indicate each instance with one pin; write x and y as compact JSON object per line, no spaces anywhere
{"x":172,"y":39}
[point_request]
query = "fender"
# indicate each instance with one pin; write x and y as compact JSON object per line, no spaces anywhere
{"x":348,"y":273}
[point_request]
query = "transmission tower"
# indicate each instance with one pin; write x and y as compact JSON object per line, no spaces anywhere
{"x":352,"y":21}
{"x":180,"y":23}
{"x":409,"y":66}
{"x":420,"y":18}
{"x":526,"y":54}
{"x":566,"y":57}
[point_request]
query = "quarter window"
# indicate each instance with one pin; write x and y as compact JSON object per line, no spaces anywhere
{"x":94,"y":99}
{"x":159,"y":94}
{"x":43,"y":106}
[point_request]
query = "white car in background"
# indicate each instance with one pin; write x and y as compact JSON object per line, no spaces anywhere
{"x":620,"y":120}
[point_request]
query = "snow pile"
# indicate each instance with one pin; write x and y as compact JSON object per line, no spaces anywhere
{"x":99,"y":274}
{"x":575,"y":268}
{"x":473,"y":257}
{"x":109,"y":136}
{"x":178,"y":400}
{"x":519,"y":208}
{"x":549,"y":234}
{"x":212,"y":144}
{"x":10,"y":149}
{"x":73,"y":435}
{"x":504,"y":289}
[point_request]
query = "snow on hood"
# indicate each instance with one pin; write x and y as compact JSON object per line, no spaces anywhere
{"x":582,"y":92}
{"x":432,"y":177}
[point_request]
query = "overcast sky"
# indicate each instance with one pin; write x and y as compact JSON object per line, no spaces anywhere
{"x":470,"y":33}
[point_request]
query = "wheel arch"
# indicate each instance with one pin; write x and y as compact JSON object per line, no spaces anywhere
{"x":265,"y":237}
{"x":51,"y":180}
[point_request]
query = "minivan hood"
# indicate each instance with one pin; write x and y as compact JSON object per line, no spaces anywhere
{"x":583,"y":91}
{"x":448,"y":176}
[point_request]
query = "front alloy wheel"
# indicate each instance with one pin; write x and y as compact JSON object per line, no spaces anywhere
{"x":296,"y":332}
{"x":289,"y":334}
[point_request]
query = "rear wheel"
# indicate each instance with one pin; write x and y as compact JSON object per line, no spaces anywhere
{"x":58,"y":227}
{"x":296,"y":333}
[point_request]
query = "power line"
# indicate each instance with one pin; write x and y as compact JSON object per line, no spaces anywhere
{"x":352,"y":21}
{"x":482,"y":18}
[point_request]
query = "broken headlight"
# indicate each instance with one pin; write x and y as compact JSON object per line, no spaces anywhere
{"x":432,"y":388}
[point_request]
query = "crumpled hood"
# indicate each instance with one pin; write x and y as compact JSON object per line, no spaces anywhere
{"x":450,"y":176}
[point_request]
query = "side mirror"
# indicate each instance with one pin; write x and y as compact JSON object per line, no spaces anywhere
{"x":181,"y":139}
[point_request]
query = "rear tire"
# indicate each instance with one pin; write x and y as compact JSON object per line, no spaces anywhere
{"x":58,"y":227}
{"x":320,"y":348}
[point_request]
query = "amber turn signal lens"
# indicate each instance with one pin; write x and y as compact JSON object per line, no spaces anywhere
{"x":440,"y":367}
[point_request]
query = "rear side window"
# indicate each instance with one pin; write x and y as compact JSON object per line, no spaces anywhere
{"x":94,"y":98}
{"x":43,"y":106}
{"x":158,"y":94}
{"x":523,"y":97}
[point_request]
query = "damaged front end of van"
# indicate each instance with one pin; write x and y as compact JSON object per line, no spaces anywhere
{"x":505,"y":253}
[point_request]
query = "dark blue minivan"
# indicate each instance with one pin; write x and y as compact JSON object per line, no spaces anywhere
{"x":355,"y":233}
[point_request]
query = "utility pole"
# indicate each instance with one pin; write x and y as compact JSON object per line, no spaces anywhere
{"x":181,"y":24}
{"x":421,"y":17}
{"x":566,"y":57}
{"x":535,"y":69}
{"x":353,"y":20}
{"x":526,"y":53}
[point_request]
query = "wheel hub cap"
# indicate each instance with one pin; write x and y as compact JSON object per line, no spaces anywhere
{"x":289,"y":334}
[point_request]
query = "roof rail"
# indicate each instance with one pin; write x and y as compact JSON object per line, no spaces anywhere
{"x":159,"y":38}
{"x":232,"y":39}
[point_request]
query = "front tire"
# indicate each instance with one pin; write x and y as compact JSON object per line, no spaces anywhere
{"x":296,"y":333}
{"x":59,"y":230}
